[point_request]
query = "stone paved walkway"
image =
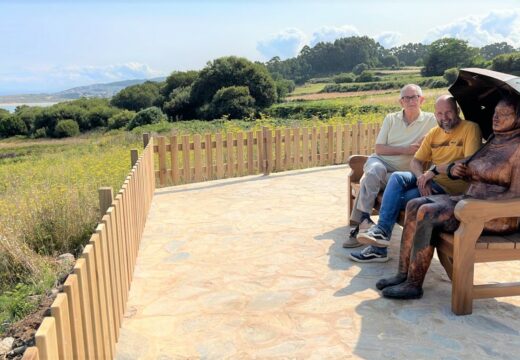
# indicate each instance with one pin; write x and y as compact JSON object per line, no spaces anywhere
{"x":253,"y":268}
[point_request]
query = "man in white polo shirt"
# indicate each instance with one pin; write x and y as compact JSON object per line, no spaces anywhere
{"x":398,"y":140}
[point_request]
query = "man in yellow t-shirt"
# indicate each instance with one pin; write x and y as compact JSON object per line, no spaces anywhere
{"x":453,"y":139}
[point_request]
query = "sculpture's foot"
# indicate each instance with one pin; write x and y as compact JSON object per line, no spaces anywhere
{"x":391,"y":281}
{"x":403,"y":291}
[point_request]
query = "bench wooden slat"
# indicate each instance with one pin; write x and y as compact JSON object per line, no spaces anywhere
{"x":496,"y":290}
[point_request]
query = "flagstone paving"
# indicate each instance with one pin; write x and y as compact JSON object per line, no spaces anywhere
{"x":253,"y":268}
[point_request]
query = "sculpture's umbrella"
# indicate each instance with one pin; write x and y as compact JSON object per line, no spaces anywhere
{"x":478,"y":91}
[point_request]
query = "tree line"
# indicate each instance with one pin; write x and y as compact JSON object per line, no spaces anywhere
{"x":344,"y":55}
{"x":235,"y":87}
{"x":227,"y":87}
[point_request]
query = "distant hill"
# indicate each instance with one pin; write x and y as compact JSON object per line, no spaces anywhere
{"x":96,"y":90}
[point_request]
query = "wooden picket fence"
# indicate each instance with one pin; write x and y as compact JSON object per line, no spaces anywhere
{"x":186,"y":159}
{"x":86,"y":318}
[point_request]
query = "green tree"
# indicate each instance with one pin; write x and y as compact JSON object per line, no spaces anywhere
{"x":447,"y":53}
{"x":99,"y":115}
{"x":409,"y":54}
{"x":179,"y":105}
{"x":233,"y":101}
{"x":507,"y":63}
{"x":178,"y":79}
{"x":390,"y":61}
{"x":151,"y":115}
{"x":28,"y":115}
{"x":359,"y":68}
{"x":450,"y":75}
{"x":283,"y":88}
{"x":490,"y":51}
{"x":11,"y":125}
{"x":233,"y":71}
{"x":137,"y":97}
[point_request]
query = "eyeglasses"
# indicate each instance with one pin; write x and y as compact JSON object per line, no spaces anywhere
{"x":411,"y":98}
{"x":502,"y":115}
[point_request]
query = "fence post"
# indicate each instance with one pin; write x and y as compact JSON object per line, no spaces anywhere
{"x":105,"y":199}
{"x":146,"y":139}
{"x":265,"y":150}
{"x":134,"y":155}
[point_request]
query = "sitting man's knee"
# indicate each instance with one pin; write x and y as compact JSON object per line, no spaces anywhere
{"x":376,"y":169}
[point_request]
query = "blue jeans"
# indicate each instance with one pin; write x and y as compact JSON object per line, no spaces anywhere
{"x":401,"y":188}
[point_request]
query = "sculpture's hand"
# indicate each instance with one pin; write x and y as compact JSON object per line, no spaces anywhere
{"x":459,"y":170}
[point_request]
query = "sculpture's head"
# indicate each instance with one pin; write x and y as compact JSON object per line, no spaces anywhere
{"x":507,"y":115}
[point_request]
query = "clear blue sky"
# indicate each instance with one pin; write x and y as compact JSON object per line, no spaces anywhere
{"x":49,"y":46}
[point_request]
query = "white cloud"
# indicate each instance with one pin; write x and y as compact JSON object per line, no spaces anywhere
{"x":330,"y":33}
{"x":388,"y":39}
{"x":497,"y":26}
{"x":106,"y":73}
{"x":55,"y":78}
{"x":284,"y":44}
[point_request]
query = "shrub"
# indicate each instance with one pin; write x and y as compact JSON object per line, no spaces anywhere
{"x":366,"y":76}
{"x":11,"y":126}
{"x":66,"y":128}
{"x":121,"y":119}
{"x":450,"y":75}
{"x":283,"y":87}
{"x":151,"y":115}
{"x":359,"y":68}
{"x":40,"y":133}
{"x":99,"y":115}
{"x":344,"y":78}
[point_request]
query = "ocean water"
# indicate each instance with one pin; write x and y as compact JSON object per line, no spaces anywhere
{"x":12,"y":107}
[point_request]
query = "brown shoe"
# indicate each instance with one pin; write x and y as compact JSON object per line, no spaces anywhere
{"x":351,"y":242}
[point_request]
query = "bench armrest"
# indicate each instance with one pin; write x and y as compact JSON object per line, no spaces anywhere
{"x":356,"y":163}
{"x":480,"y":211}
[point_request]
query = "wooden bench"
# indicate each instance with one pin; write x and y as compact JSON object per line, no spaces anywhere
{"x":459,"y":252}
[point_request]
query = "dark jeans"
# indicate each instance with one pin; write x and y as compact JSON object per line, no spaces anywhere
{"x":401,"y":188}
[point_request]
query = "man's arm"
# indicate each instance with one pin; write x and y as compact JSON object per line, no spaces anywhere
{"x":417,"y":167}
{"x":423,"y":177}
{"x":382,"y":149}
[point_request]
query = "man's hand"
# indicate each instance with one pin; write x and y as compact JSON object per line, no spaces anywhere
{"x":423,"y":183}
{"x":412,"y":149}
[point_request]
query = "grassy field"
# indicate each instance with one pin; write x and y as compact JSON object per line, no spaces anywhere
{"x":309,"y":88}
{"x":49,"y":206}
{"x":48,"y":188}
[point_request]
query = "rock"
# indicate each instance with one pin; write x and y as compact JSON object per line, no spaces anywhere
{"x":66,"y":258}
{"x":6,"y":344}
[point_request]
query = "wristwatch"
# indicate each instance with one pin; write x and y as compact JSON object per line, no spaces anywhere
{"x":434,"y":170}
